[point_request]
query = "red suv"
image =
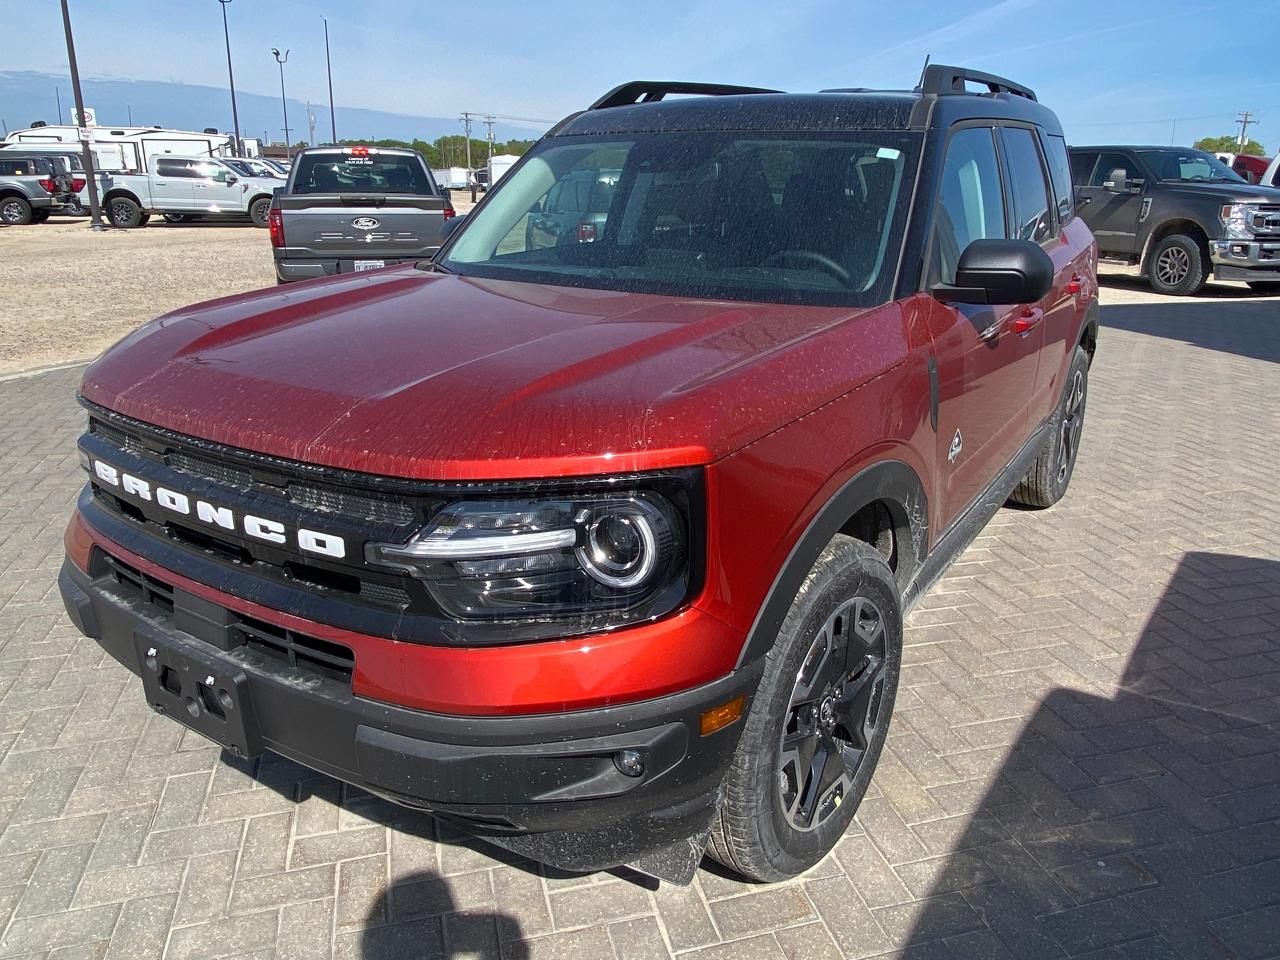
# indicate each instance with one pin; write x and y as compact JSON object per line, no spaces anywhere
{"x":598,"y":544}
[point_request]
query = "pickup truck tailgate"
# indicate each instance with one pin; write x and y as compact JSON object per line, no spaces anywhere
{"x":349,"y":227}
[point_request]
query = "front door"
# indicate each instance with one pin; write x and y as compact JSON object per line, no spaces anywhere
{"x":213,"y":192}
{"x":986,"y":355}
{"x":1113,"y":217}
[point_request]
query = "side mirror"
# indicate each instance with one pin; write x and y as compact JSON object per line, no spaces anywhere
{"x":230,"y":179}
{"x":451,"y":225}
{"x":999,"y":272}
{"x":1117,"y":181}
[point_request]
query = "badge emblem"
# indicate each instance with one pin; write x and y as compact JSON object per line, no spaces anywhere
{"x":364,"y":223}
{"x":957,"y":442}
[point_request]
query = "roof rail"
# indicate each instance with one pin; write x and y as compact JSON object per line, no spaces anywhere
{"x":650,"y":91}
{"x":941,"y":80}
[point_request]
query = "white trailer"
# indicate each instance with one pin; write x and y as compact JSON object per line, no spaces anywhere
{"x":126,"y":149}
{"x":499,"y":165}
{"x":452,"y":178}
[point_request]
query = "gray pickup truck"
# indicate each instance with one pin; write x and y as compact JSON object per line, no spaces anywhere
{"x":345,"y":209}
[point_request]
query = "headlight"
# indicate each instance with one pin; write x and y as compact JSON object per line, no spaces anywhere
{"x":1237,"y":219}
{"x":618,"y":555}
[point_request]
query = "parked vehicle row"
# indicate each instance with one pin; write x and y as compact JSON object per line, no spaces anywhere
{"x":35,"y":185}
{"x":183,"y":187}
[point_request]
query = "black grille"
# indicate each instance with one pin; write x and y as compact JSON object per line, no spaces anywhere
{"x":351,"y":504}
{"x":299,"y":651}
{"x":207,"y":469}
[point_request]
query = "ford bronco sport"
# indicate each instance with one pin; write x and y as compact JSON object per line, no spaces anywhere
{"x":599,"y":546}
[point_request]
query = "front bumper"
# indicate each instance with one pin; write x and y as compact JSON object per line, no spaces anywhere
{"x":546,"y":786}
{"x":1245,"y":259}
{"x":289,"y":269}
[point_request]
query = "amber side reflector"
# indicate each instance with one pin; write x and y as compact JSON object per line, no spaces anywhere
{"x":717,"y":718}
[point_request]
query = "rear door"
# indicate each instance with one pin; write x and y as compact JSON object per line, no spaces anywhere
{"x":1113,"y":217}
{"x":986,"y":368}
{"x":357,"y":204}
{"x":172,"y":180}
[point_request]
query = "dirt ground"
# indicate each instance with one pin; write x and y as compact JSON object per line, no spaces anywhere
{"x":67,"y":293}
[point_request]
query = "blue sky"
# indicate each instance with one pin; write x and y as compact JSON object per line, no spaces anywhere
{"x":1117,"y":73}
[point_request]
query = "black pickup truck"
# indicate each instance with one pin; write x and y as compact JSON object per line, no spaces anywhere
{"x":351,"y":208}
{"x":1181,"y":213}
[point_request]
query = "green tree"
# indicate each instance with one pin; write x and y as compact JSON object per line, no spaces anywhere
{"x":1229,"y":144}
{"x":451,"y":150}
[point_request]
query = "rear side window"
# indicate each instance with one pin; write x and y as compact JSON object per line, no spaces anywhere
{"x":1027,"y":184}
{"x":1082,"y":165}
{"x":1055,"y":151}
{"x":970,"y":203}
{"x":174,"y":168}
{"x":375,"y":173}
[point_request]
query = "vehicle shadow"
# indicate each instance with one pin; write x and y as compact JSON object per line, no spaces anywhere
{"x":1212,"y":291}
{"x":1247,"y":329}
{"x":1144,"y":824}
{"x":417,"y":916}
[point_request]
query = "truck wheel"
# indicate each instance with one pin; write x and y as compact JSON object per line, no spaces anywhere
{"x":259,"y":211}
{"x":1265,"y":286}
{"x":1046,"y":482}
{"x":1176,"y":266}
{"x":818,"y":721}
{"x":144,"y":220}
{"x":124,"y":213}
{"x":15,"y":212}
{"x":174,"y":217}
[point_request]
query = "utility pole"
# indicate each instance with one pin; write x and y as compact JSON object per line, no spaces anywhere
{"x":284,"y":104}
{"x":231,"y":77}
{"x":58,"y":93}
{"x":466,"y":126}
{"x":488,"y":122}
{"x":1244,"y":119}
{"x":86,"y":155}
{"x":1174,"y":132}
{"x":129,"y":108}
{"x":328,"y":68}
{"x":311,"y":126}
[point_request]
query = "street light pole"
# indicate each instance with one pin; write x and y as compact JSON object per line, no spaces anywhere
{"x":86,"y":155}
{"x":231,"y":77}
{"x":284,"y":104}
{"x":328,"y":68}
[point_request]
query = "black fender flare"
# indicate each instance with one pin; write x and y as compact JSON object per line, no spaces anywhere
{"x":127,"y":194}
{"x":891,"y":481}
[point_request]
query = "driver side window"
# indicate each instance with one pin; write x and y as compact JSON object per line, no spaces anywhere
{"x":970,"y":201}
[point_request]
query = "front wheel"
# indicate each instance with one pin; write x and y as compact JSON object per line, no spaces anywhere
{"x":174,"y":217}
{"x":259,"y":211}
{"x":124,"y":213}
{"x":1176,"y":266}
{"x":1265,"y":287}
{"x":818,"y":721}
{"x":15,"y":212}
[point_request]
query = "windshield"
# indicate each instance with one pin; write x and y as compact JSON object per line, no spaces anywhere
{"x":1194,"y":166}
{"x":361,"y":173}
{"x":709,"y":214}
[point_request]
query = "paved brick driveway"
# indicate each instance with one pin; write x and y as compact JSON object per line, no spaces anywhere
{"x":1084,"y":760}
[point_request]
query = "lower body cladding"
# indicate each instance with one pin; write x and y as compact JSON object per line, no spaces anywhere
{"x":289,"y":269}
{"x":1246,"y":260}
{"x":633,"y":784}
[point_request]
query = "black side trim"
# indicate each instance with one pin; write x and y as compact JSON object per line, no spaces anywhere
{"x":891,"y":481}
{"x":933,"y":393}
{"x":977,"y":515}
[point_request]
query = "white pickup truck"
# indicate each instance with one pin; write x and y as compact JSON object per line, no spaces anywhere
{"x":182,"y":188}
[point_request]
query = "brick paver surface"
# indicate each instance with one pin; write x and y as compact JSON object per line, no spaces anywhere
{"x":1084,"y":760}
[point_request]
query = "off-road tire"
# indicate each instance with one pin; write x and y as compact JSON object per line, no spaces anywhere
{"x":40,"y":216}
{"x":260,"y":211}
{"x":175,"y":217}
{"x":14,"y":212}
{"x":1047,"y":481}
{"x":751,"y":834}
{"x":144,"y":220}
{"x":1177,"y":266}
{"x":1265,"y":287}
{"x":123,"y":213}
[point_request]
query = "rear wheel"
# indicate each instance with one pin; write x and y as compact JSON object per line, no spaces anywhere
{"x":1176,"y":266}
{"x":15,"y":212}
{"x":39,"y":216}
{"x":819,"y":719}
{"x":124,"y":213}
{"x":259,"y":211}
{"x":1047,"y":480}
{"x":1265,"y":286}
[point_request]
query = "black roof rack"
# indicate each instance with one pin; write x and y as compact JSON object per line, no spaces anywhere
{"x":650,"y":91}
{"x":941,"y":80}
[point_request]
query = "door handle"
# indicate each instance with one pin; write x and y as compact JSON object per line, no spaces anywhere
{"x":1029,"y":317}
{"x":1075,"y":284}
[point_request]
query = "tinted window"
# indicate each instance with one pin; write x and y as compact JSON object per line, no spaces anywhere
{"x":1082,"y":165}
{"x":26,"y":167}
{"x":174,"y":168}
{"x":1055,"y":151}
{"x":1188,"y":165}
{"x":210,"y":170}
{"x":1027,"y":182}
{"x":375,"y":173}
{"x":1111,"y":161}
{"x":970,"y":204}
{"x":707,"y":213}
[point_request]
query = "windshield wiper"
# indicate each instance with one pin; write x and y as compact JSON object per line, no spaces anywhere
{"x":432,"y":266}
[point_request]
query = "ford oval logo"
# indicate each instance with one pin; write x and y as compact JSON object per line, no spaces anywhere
{"x":364,"y":223}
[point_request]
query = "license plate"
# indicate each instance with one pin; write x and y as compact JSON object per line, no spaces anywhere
{"x":200,"y":690}
{"x":370,"y":265}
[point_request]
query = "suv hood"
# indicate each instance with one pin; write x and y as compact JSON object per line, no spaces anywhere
{"x":1229,"y":192}
{"x":413,"y":374}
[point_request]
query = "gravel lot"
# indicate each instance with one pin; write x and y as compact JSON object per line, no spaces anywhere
{"x":67,"y":293}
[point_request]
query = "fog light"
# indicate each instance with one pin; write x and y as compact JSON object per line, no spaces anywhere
{"x":629,"y":762}
{"x":1239,"y":250}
